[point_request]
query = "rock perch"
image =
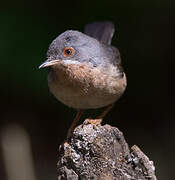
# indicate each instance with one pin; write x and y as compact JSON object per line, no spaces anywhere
{"x":101,"y":153}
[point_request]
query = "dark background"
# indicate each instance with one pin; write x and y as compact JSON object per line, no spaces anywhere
{"x":146,"y":112}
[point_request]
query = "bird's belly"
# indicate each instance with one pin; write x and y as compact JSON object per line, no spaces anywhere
{"x":83,"y":88}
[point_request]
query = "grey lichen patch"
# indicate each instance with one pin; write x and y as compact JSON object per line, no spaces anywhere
{"x":101,"y":152}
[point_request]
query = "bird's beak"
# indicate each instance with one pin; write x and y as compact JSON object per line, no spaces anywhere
{"x":48,"y":63}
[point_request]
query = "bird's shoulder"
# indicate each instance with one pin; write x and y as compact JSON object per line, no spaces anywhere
{"x":112,"y":58}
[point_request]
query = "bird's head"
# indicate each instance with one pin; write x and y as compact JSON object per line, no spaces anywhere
{"x":73,"y":47}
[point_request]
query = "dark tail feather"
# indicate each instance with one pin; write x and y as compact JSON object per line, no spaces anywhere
{"x":102,"y":31}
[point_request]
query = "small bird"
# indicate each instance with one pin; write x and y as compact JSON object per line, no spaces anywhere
{"x":85,"y":70}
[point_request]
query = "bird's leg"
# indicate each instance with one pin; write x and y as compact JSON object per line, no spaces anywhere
{"x":98,"y":119}
{"x":74,"y":123}
{"x":108,"y":108}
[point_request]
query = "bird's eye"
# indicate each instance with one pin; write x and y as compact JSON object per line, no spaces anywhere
{"x":68,"y":51}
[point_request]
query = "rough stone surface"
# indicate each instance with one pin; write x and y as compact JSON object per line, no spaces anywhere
{"x":101,"y":153}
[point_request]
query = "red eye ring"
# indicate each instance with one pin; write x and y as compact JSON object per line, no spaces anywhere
{"x":68,"y":51}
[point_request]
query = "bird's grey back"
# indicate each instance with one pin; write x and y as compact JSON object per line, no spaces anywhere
{"x":103,"y":32}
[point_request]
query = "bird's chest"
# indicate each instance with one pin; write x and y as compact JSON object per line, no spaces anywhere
{"x":77,"y":79}
{"x":79,"y":86}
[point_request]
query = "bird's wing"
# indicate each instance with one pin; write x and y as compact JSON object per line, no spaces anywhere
{"x":102,"y":31}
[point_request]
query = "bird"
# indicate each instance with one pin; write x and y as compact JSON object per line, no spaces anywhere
{"x":85,"y":70}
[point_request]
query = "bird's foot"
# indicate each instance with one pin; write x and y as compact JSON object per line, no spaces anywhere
{"x":95,"y":122}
